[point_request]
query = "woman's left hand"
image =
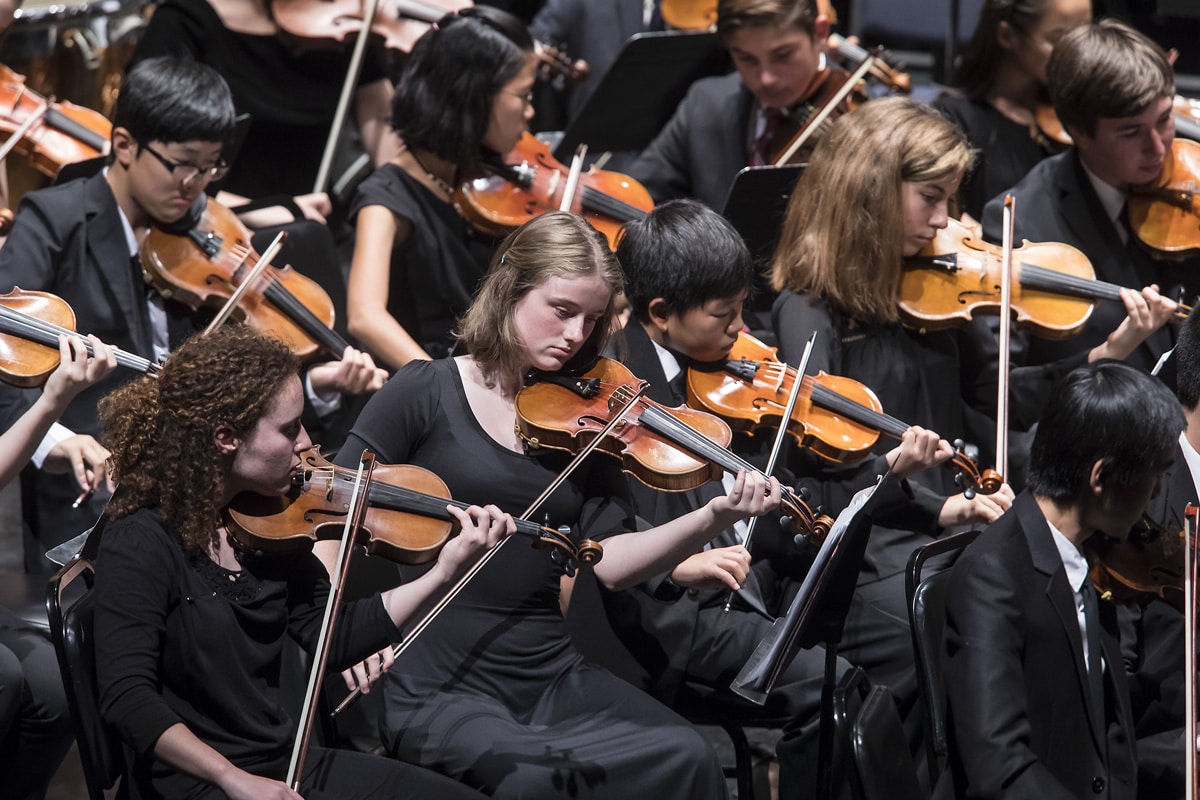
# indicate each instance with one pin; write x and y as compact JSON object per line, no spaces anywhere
{"x":750,"y":496}
{"x":482,"y":529}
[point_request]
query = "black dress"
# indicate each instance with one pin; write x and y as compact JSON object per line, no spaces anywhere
{"x":290,"y":92}
{"x":493,"y":692}
{"x":1006,"y":151}
{"x":435,"y":274}
{"x":180,"y":639}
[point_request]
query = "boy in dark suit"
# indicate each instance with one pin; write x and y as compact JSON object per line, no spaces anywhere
{"x":729,"y":122}
{"x":688,"y":274}
{"x":80,"y":241}
{"x":1112,"y":89}
{"x":1039,"y":705}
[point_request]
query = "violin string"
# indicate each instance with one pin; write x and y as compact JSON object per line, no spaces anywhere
{"x":47,"y":333}
{"x":283,"y":299}
{"x":610,"y":206}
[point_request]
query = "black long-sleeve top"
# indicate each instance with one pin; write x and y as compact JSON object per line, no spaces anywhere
{"x":181,"y":639}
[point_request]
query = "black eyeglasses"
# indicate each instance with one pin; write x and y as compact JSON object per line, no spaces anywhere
{"x":187,"y":173}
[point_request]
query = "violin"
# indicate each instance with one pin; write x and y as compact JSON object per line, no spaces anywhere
{"x":398,"y":24}
{"x":701,"y":15}
{"x":670,"y":449}
{"x":1054,"y":137}
{"x":828,"y":98}
{"x":30,"y":324}
{"x":958,"y":274}
{"x":406,"y":519}
{"x":200,"y":262}
{"x":1165,"y":216}
{"x":530,"y":182}
{"x":1147,"y":565}
{"x":48,"y":132}
{"x":837,"y":418}
{"x":849,"y":55}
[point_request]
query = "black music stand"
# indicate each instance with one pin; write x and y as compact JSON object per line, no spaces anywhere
{"x":757,"y":201}
{"x":817,"y":616}
{"x":641,"y":90}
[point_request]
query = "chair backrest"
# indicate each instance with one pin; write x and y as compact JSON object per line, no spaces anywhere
{"x":871,"y":744}
{"x":926,"y":590}
{"x":70,"y":606}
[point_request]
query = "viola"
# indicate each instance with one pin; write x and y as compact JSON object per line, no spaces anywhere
{"x":531,"y":181}
{"x":202,"y":262}
{"x":671,"y":449}
{"x":1147,"y":565}
{"x":406,"y":519}
{"x":837,"y":418}
{"x":958,"y":275}
{"x":1165,"y":216}
{"x":50,"y":133}
{"x":30,"y":324}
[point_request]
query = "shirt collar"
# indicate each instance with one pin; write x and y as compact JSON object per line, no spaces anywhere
{"x":1074,"y":563}
{"x":130,"y":237}
{"x":1111,"y":198}
{"x":670,"y":364}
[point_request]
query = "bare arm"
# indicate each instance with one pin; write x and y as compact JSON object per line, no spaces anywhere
{"x":180,"y":748}
{"x":379,"y":232}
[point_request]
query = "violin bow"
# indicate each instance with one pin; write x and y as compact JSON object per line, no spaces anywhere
{"x":1003,"y":358}
{"x":15,"y":138}
{"x":777,"y":447}
{"x":819,"y":118}
{"x":1191,"y":520}
{"x":337,"y":582}
{"x":343,"y":106}
{"x":568,"y":198}
{"x":454,"y":590}
{"x":260,"y":267}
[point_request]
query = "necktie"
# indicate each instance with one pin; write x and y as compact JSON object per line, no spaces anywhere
{"x":762,"y":151}
{"x":1091,"y":613}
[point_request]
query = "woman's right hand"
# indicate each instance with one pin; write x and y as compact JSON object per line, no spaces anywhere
{"x":717,"y":568}
{"x":241,"y":785}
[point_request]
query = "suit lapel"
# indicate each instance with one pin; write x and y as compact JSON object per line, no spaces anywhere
{"x":1061,"y":598}
{"x":1115,"y":263}
{"x":108,"y":252}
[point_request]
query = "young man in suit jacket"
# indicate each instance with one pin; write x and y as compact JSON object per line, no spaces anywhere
{"x":80,"y":241}
{"x":1039,"y":705}
{"x":777,"y":48}
{"x":1112,"y":89}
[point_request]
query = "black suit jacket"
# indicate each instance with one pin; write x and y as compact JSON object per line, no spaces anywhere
{"x":1020,"y":716}
{"x":1057,"y":203}
{"x":704,"y":145}
{"x":69,"y":240}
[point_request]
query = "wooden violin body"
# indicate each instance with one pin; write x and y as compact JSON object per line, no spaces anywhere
{"x":64,"y":134}
{"x":567,"y":412}
{"x":531,"y":182}
{"x":406,"y":519}
{"x":398,"y":23}
{"x":1147,"y":565}
{"x":751,"y":393}
{"x":204,"y":265}
{"x":1166,"y":215}
{"x":958,"y":276}
{"x":30,"y":324}
{"x":837,"y":418}
{"x":670,"y":449}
